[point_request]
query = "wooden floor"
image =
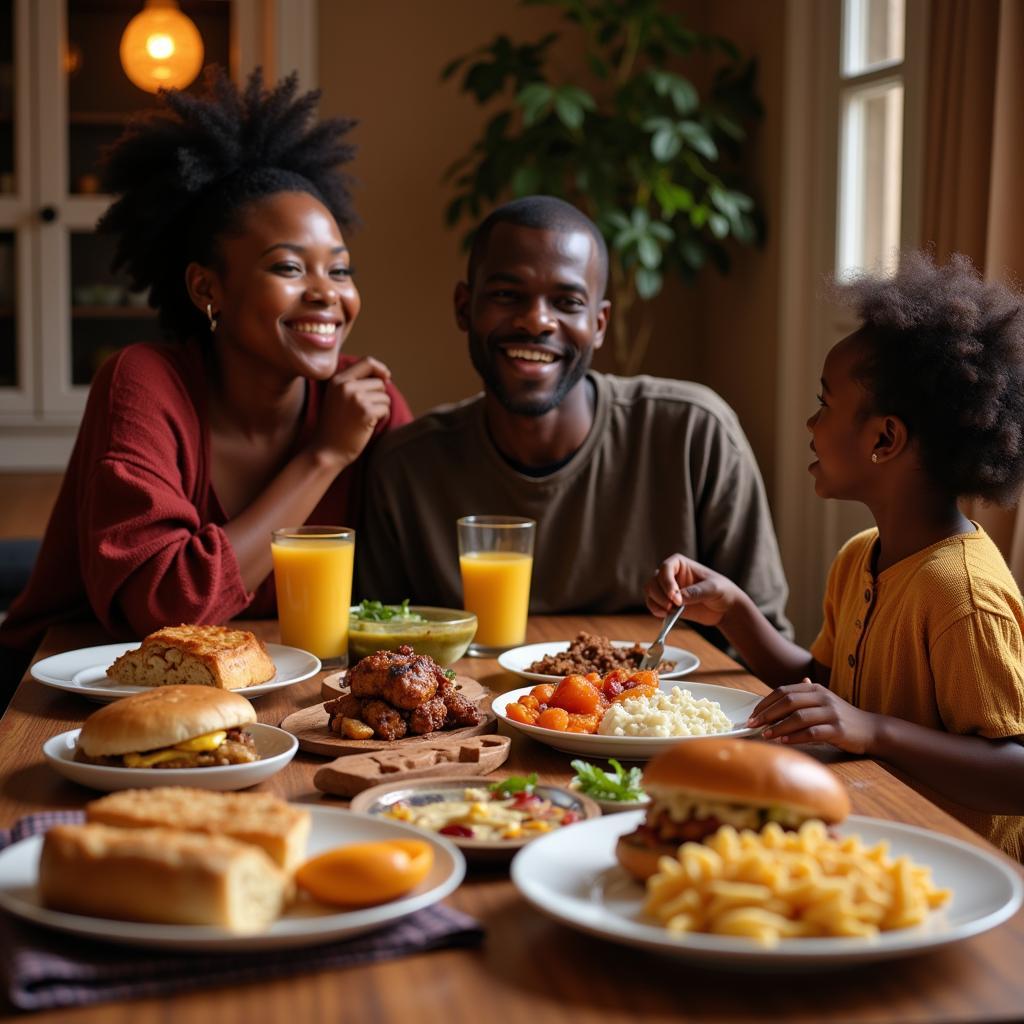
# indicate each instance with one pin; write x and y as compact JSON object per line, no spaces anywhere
{"x":26,"y":500}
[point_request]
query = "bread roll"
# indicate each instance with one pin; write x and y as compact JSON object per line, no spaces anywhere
{"x":199,"y":655}
{"x":259,"y":818}
{"x":162,"y":876}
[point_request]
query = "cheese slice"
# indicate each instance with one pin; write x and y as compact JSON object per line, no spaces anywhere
{"x":208,"y":741}
{"x":148,"y":760}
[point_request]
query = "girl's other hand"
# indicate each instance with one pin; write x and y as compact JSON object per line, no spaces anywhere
{"x":708,"y":595}
{"x":356,"y":401}
{"x":805,"y":712}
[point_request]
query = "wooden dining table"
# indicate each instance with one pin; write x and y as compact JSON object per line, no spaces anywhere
{"x":529,"y":967}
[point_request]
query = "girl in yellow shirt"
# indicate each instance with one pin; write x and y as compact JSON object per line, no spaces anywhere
{"x":920,"y":658}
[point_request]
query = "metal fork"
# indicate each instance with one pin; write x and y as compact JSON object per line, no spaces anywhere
{"x":653,"y":656}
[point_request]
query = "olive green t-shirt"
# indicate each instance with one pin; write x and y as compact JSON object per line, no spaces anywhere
{"x":665,"y":468}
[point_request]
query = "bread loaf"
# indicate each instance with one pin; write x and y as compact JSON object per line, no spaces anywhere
{"x":259,"y":818}
{"x":160,"y":875}
{"x":196,"y":655}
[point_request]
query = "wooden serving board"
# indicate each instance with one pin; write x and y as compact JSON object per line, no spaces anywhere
{"x":309,"y":727}
{"x":444,"y":758}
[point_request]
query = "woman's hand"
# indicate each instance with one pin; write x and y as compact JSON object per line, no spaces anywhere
{"x":708,"y":596}
{"x":356,"y":401}
{"x":805,"y":712}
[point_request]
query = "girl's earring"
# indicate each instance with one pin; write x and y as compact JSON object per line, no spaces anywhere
{"x":211,"y":317}
{"x":874,"y":455}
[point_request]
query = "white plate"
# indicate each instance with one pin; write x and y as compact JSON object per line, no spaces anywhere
{"x":85,"y":671}
{"x":572,"y":875}
{"x":276,"y":748}
{"x":518,"y":658}
{"x":737,"y":705}
{"x":306,"y":924}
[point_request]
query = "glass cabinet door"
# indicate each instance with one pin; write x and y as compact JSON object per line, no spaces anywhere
{"x":16,"y":392}
{"x":89,"y":103}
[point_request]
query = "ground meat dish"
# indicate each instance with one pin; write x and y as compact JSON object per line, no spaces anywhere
{"x":589,"y":653}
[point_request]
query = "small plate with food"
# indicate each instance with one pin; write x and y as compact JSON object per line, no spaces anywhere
{"x":614,"y":789}
{"x":738,"y":812}
{"x":486,"y":820}
{"x":393,"y":700}
{"x":549,"y":662}
{"x":626,"y":716}
{"x":228,"y":659}
{"x":248,"y":872}
{"x":183,"y":735}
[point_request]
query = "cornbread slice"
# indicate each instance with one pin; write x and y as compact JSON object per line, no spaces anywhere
{"x":160,"y":875}
{"x":196,"y":655}
{"x":258,"y":818}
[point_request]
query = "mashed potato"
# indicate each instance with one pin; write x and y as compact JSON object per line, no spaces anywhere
{"x":665,"y":714}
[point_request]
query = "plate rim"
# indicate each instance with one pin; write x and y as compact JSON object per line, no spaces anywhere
{"x":729,"y":951}
{"x":543,"y":678}
{"x":644,"y":745}
{"x":111,"y":693}
{"x":297,"y":932}
{"x":276,"y":762}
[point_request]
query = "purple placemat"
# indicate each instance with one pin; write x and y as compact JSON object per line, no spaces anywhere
{"x":44,"y":969}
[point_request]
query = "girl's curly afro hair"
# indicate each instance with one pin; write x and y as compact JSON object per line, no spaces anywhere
{"x":185,"y":171}
{"x":945,"y":353}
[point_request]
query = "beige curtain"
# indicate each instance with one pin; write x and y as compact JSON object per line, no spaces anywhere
{"x":973,"y":198}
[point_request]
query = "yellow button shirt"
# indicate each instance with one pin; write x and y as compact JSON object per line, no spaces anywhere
{"x":936,"y":639}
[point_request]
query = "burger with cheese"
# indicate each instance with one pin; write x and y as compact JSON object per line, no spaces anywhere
{"x":170,"y":727}
{"x":699,"y":785}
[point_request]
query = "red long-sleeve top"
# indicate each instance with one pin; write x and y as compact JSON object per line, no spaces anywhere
{"x":136,"y":537}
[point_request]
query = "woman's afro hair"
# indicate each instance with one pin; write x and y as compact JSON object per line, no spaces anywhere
{"x":946,"y":355}
{"x":185,"y":171}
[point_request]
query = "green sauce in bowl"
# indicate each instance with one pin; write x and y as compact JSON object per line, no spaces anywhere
{"x":444,"y":633}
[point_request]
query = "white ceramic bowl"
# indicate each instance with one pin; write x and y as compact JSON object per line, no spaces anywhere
{"x":276,"y":748}
{"x":517,"y":659}
{"x":737,"y":705}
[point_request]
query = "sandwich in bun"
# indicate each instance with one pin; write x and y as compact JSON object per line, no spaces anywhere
{"x":171,"y":727}
{"x":699,"y":785}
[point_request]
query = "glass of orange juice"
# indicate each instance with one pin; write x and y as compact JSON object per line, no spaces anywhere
{"x":313,"y":577}
{"x":496,"y":560}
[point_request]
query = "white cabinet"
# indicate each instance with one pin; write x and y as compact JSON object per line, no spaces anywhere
{"x":63,"y":97}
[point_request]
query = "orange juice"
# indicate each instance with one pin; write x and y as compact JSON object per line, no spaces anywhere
{"x":313,"y":575}
{"x":496,"y":586}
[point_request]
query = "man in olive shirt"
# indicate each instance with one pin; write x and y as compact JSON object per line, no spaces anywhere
{"x":618,"y":472}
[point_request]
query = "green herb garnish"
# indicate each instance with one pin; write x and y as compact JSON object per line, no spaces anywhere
{"x":514,"y":784}
{"x":616,"y":785}
{"x":375,"y":611}
{"x":449,"y":673}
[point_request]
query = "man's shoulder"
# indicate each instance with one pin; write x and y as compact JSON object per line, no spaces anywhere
{"x":670,"y":397}
{"x":435,"y":430}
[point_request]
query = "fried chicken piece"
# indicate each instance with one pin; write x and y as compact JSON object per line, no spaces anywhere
{"x":459,"y":710}
{"x":428,"y":717}
{"x":387,"y":722}
{"x":402,"y":678}
{"x":345,"y":706}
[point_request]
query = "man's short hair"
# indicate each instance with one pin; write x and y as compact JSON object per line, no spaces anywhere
{"x":545,"y":213}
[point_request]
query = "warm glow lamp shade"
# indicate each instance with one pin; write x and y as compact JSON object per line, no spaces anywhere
{"x":161,"y":48}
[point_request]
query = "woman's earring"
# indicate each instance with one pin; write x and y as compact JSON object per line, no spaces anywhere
{"x":874,"y":455}
{"x":211,"y":317}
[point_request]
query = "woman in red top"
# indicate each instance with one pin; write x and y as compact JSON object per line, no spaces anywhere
{"x":230,"y":212}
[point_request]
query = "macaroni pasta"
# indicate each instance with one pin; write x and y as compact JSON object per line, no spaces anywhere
{"x":774,"y":884}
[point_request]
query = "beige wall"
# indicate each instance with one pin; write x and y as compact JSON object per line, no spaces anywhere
{"x":381,"y":63}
